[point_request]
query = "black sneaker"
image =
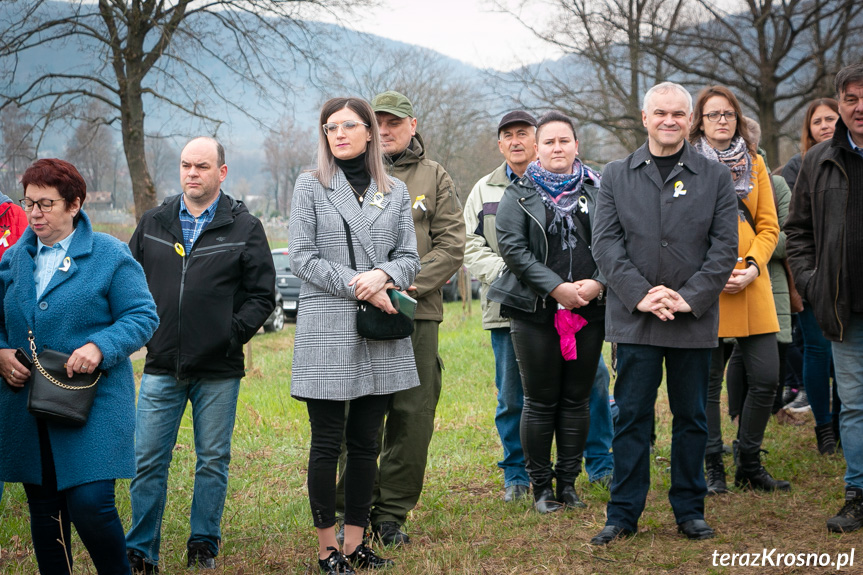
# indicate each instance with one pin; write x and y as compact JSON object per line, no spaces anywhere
{"x":364,"y":557}
{"x":850,"y":517}
{"x":390,"y":533}
{"x":140,"y":566}
{"x":335,"y":564}
{"x":200,"y":556}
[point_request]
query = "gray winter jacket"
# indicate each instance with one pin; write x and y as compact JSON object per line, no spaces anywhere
{"x":680,"y":233}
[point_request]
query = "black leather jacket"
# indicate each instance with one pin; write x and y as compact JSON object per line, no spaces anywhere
{"x":523,"y":243}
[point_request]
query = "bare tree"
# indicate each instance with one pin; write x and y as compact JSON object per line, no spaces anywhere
{"x":607,"y":67}
{"x":17,"y":150}
{"x":149,"y":49}
{"x":775,"y":56}
{"x":91,"y":147}
{"x":163,"y":159}
{"x":288,"y":150}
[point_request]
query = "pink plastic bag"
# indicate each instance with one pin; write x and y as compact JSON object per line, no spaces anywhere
{"x":567,"y":324}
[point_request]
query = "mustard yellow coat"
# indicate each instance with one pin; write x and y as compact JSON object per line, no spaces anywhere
{"x":752,"y":311}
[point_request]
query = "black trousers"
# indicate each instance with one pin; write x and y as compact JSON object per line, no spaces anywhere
{"x":737,"y":381}
{"x":361,"y":431}
{"x":556,"y":397}
{"x":760,"y":356}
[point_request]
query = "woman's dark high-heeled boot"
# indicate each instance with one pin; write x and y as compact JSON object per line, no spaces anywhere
{"x":566,"y":494}
{"x":543,"y":499}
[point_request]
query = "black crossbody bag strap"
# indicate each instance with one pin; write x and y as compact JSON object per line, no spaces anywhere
{"x":747,"y":215}
{"x":350,"y":245}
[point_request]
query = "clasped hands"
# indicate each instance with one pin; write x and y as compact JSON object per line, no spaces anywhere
{"x":663,"y":302}
{"x":372,"y":286}
{"x":573,"y":295}
{"x":740,"y":279}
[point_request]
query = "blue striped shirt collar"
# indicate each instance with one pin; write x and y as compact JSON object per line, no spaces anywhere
{"x":192,"y":226}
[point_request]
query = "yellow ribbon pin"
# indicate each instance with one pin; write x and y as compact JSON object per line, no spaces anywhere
{"x":678,"y":189}
{"x":3,"y":241}
{"x":419,"y":202}
{"x":67,"y":263}
{"x":178,"y":247}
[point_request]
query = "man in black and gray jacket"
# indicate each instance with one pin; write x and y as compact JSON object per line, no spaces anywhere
{"x":209,"y":268}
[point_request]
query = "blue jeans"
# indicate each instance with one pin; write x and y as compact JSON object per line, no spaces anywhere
{"x":90,"y":507}
{"x":816,"y":365}
{"x":848,"y":361}
{"x":598,"y":461}
{"x":161,"y":404}
{"x":639,"y":374}
{"x":510,"y":401}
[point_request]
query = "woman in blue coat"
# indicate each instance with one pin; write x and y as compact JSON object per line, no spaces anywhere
{"x":83,"y":294}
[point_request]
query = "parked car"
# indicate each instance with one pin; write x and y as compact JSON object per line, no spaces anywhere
{"x":287,"y":284}
{"x":450,"y":288}
{"x":276,"y":321}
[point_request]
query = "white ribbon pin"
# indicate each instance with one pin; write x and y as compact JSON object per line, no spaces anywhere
{"x":67,"y":263}
{"x":378,"y":200}
{"x":678,"y":189}
{"x":582,"y":204}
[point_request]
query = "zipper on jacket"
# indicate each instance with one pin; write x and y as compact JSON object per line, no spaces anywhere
{"x":839,"y":271}
{"x":544,"y":237}
{"x":180,"y":313}
{"x":186,"y":259}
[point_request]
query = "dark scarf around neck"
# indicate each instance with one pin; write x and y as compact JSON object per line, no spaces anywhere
{"x":562,"y":194}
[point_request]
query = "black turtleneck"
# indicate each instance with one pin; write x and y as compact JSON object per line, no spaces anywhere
{"x":667,"y":163}
{"x":356,"y":172}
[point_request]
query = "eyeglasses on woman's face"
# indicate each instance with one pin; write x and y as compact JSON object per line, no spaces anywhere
{"x":348,"y":126}
{"x":714,"y":116}
{"x":45,"y":205}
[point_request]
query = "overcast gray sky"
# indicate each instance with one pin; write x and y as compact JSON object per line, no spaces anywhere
{"x":463,"y":29}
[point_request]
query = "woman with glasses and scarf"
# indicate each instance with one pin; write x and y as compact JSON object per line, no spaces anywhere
{"x":544,"y":233}
{"x":746,"y":308}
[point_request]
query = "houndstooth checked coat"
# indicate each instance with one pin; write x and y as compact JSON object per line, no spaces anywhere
{"x":331,"y":361}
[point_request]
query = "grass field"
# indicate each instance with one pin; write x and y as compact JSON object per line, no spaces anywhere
{"x":462,"y":525}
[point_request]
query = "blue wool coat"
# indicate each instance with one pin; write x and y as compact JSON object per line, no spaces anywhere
{"x":103,"y":299}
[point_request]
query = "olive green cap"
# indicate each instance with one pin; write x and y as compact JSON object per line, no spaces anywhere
{"x":393,"y":103}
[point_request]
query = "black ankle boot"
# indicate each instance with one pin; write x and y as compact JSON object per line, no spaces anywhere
{"x":826,"y":439}
{"x":715,"y":470}
{"x":566,"y":494}
{"x":750,"y":473}
{"x":544,"y":500}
